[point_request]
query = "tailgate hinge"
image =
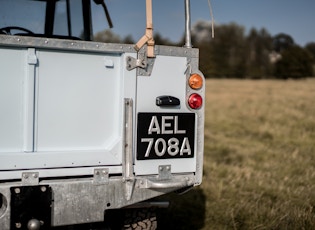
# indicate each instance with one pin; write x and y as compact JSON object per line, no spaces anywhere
{"x":134,"y":63}
{"x":144,"y":64}
{"x":30,"y":178}
{"x":101,"y":176}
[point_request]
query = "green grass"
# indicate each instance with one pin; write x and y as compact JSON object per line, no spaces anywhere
{"x":259,"y":166}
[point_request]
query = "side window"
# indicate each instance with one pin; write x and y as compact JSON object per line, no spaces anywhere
{"x":22,"y":14}
{"x":27,"y":17}
{"x":68,"y":19}
{"x":99,"y":21}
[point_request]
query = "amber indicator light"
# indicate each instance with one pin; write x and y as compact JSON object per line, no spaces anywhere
{"x":195,"y":81}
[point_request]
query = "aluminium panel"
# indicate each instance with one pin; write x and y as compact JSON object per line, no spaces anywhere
{"x":12,"y":66}
{"x":168,"y":78}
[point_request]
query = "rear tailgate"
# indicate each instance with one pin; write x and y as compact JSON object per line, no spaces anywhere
{"x":168,"y":135}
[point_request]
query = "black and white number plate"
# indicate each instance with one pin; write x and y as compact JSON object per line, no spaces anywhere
{"x":165,"y":135}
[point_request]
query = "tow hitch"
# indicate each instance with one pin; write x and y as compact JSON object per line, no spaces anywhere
{"x":31,"y":207}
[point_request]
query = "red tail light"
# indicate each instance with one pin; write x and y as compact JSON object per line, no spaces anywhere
{"x":195,"y":101}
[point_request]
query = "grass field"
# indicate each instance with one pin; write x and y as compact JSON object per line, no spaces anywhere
{"x":259,"y":166}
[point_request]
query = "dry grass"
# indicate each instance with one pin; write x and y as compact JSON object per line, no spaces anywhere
{"x":259,"y":168}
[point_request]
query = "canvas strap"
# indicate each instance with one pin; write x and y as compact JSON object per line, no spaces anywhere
{"x":147,"y":38}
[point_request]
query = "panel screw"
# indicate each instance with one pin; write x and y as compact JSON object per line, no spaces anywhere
{"x":18,"y":225}
{"x":17,"y":190}
{"x":43,"y":189}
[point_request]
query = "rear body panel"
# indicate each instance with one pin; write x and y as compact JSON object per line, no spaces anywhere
{"x":74,"y":118}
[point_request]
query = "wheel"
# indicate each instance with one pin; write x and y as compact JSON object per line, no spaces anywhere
{"x":140,"y":219}
{"x":7,"y":30}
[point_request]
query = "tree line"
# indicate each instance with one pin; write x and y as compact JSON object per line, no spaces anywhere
{"x":232,"y":53}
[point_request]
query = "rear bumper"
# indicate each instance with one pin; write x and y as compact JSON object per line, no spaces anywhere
{"x":84,"y":200}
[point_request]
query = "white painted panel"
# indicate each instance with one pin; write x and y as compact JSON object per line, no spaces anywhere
{"x":79,"y":102}
{"x":168,"y":78}
{"x":12,"y":67}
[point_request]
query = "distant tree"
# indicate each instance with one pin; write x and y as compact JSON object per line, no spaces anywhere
{"x":206,"y":61}
{"x":128,"y":40}
{"x":282,"y":41}
{"x":310,"y":47}
{"x":296,"y":62}
{"x":201,"y":32}
{"x":107,"y":36}
{"x":159,"y":40}
{"x":259,"y":47}
{"x":224,"y":56}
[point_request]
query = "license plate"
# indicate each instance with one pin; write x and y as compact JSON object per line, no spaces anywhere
{"x":165,"y":135}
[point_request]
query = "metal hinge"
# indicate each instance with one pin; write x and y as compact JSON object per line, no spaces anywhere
{"x":30,"y":178}
{"x":144,"y":64}
{"x":101,"y":176}
{"x":165,"y":172}
{"x":134,"y":63}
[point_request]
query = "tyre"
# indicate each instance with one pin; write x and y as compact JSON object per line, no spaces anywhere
{"x":140,"y":219}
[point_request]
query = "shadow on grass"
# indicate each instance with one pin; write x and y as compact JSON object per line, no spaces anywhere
{"x":186,"y":211}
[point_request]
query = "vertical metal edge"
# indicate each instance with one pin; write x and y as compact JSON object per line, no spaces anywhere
{"x":192,"y":67}
{"x":36,"y":97}
{"x":29,"y":96}
{"x":128,"y":122}
{"x":200,"y":148}
{"x":128,"y":172}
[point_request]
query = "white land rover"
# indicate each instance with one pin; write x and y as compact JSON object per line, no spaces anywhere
{"x":87,"y":127}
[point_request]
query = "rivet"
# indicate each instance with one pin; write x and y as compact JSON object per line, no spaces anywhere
{"x":43,"y":189}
